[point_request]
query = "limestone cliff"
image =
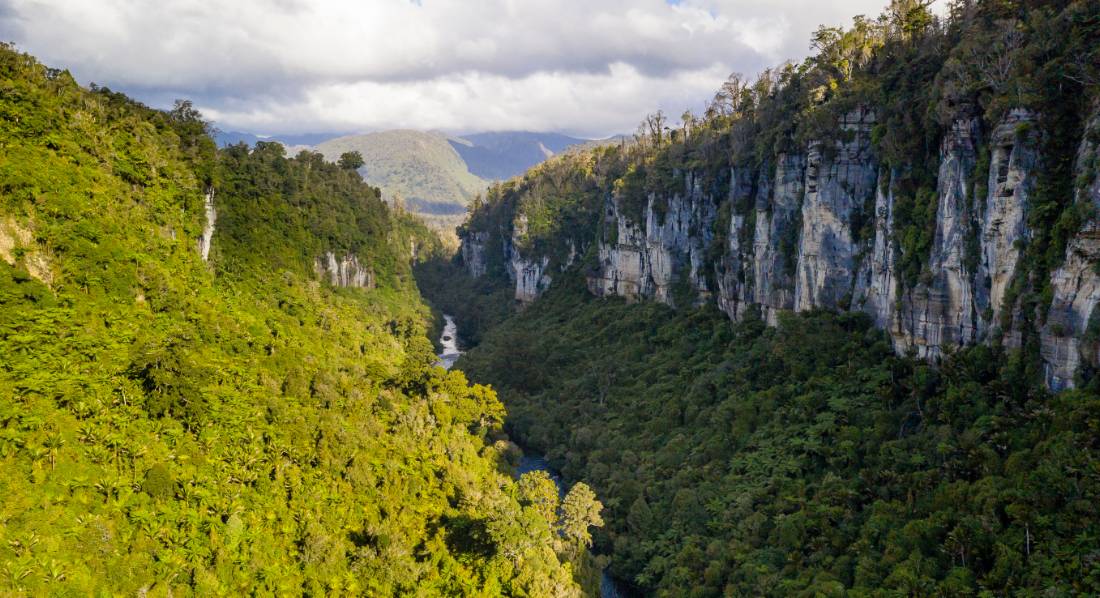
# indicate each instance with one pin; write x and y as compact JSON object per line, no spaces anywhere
{"x":344,"y":272}
{"x":206,"y":241}
{"x":815,"y":229}
{"x":645,"y":259}
{"x":1072,"y":330}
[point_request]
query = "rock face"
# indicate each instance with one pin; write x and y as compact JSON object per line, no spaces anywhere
{"x":1004,"y":217}
{"x":473,"y":253}
{"x":837,"y":189}
{"x":778,"y":224}
{"x":819,"y":230}
{"x":344,"y":272}
{"x":941,"y":310}
{"x":207,"y":238}
{"x":1069,"y":338}
{"x":647,"y":260}
{"x":529,"y":275}
{"x":623,"y":267}
{"x":877,"y":284}
{"x":733,"y":270}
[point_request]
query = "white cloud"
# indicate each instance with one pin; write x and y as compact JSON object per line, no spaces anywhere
{"x":584,"y":66}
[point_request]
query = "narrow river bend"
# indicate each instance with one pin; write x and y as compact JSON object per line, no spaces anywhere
{"x":447,"y":358}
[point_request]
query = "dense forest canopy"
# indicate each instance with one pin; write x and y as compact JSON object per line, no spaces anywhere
{"x":801,"y":460}
{"x":806,"y":457}
{"x":216,"y":376}
{"x":175,"y":426}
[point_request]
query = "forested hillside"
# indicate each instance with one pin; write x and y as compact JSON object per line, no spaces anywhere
{"x":422,"y":168}
{"x":804,"y":459}
{"x":835,"y":336}
{"x":215,"y":380}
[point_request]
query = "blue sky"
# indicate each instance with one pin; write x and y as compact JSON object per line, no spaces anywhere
{"x":584,"y":67}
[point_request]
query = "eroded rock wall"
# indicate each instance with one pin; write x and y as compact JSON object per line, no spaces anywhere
{"x":819,"y":230}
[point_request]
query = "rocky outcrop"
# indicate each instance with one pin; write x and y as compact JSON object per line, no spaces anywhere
{"x":18,"y":248}
{"x":840,"y":179}
{"x":344,"y":272}
{"x":623,"y":267}
{"x":877,"y":283}
{"x":473,"y":253}
{"x":207,"y":238}
{"x":733,"y":270}
{"x":1004,"y":214}
{"x":1070,"y":335}
{"x":648,"y":262}
{"x":676,"y":240}
{"x":941,"y":310}
{"x":775,"y":245}
{"x":529,"y":274}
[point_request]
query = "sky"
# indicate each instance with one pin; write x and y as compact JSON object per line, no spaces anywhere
{"x":590,"y":68}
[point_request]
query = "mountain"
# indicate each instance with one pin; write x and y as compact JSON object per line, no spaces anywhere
{"x":839,"y":335}
{"x":503,"y":155}
{"x":227,"y":138}
{"x":419,"y":167}
{"x":216,"y":377}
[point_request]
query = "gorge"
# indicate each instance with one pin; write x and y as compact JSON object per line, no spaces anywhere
{"x":834,"y":335}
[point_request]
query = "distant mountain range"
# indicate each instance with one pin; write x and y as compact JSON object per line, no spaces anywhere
{"x":433,"y":173}
{"x":226,"y":138}
{"x":500,"y":156}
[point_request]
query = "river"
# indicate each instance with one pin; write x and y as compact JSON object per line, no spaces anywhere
{"x":449,"y":340}
{"x":609,"y":588}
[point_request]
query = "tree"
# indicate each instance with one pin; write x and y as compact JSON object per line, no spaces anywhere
{"x":727,"y":98}
{"x":579,"y":511}
{"x":537,"y":490}
{"x":184,"y":111}
{"x":351,"y":160}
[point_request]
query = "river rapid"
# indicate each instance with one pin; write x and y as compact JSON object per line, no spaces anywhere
{"x":447,"y":357}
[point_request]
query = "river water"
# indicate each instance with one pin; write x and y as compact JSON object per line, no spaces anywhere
{"x":449,"y":340}
{"x":447,"y":358}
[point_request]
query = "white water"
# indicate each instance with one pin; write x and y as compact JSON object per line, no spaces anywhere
{"x":449,"y":340}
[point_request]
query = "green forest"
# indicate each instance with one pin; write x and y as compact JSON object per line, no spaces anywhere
{"x":805,"y":459}
{"x":173,"y":427}
{"x":808,"y":458}
{"x":218,"y":374}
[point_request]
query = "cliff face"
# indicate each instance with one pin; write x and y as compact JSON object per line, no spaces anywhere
{"x":816,"y":230}
{"x":646,"y":259}
{"x":941,"y":309}
{"x":1070,"y":336}
{"x":206,"y":241}
{"x":344,"y":272}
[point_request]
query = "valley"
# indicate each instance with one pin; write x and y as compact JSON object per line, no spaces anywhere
{"x":834,"y":332}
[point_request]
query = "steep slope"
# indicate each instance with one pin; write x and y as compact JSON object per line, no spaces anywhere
{"x":420,"y":168}
{"x":215,"y":377}
{"x":503,"y":155}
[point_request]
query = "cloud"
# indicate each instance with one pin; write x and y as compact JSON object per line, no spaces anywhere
{"x":583,"y":66}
